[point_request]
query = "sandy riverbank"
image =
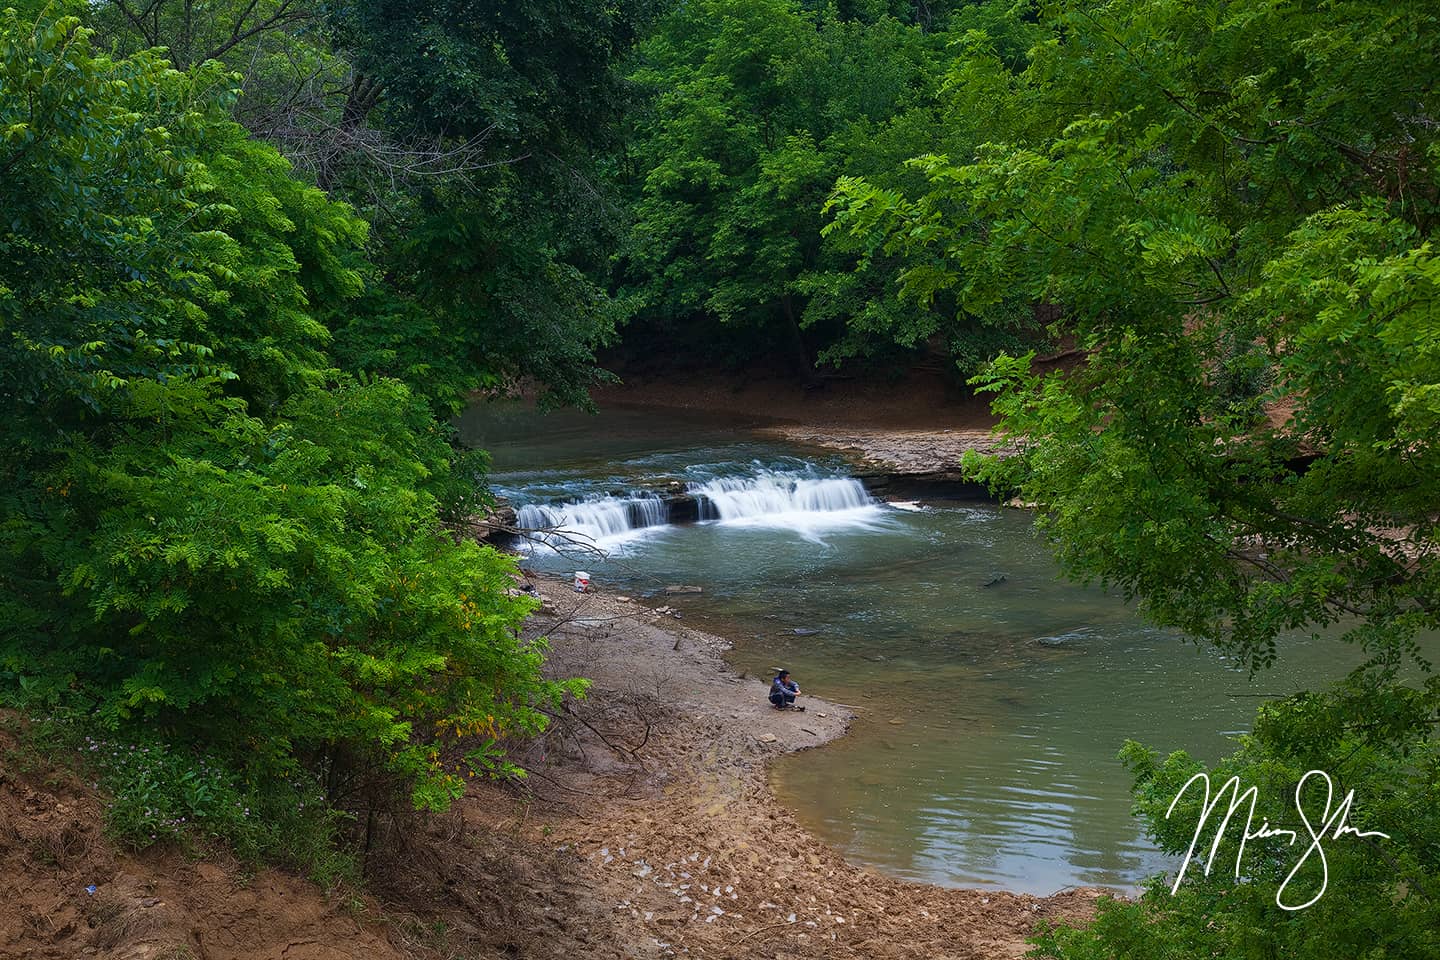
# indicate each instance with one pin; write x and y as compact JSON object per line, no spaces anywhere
{"x":646,"y":829}
{"x":920,"y":427}
{"x":655,"y":795}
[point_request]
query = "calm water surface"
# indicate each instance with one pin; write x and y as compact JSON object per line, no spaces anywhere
{"x":992,"y":696}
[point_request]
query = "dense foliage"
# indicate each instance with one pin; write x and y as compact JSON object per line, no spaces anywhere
{"x":470,"y":136}
{"x":754,"y":108}
{"x":1235,"y":225}
{"x":500,"y":260}
{"x":1231,"y":208}
{"x":209,"y":528}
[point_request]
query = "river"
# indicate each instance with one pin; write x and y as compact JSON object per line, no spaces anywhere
{"x":992,"y":695}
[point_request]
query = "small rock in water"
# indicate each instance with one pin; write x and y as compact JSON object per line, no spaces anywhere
{"x":804,"y":631}
{"x":683,"y":588}
{"x":995,"y":580}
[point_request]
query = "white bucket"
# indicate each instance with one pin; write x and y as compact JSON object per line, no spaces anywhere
{"x":582,"y":581}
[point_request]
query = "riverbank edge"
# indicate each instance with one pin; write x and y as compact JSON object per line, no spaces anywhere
{"x":706,"y":792}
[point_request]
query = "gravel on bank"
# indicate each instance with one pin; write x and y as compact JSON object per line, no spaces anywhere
{"x":663,"y":810}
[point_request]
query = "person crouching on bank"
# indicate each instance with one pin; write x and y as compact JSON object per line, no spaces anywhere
{"x":783,"y":690}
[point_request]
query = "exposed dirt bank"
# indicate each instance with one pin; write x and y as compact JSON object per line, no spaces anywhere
{"x":931,"y":454}
{"x":919,"y":427}
{"x":674,"y":828}
{"x":924,"y":399}
{"x":646,"y":829}
{"x":66,"y":892}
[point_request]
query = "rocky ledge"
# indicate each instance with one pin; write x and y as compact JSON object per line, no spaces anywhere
{"x":904,"y":463}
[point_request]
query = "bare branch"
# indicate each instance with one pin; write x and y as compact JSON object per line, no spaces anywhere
{"x":283,"y":16}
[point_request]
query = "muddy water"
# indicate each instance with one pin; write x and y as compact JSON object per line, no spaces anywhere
{"x":992,"y":695}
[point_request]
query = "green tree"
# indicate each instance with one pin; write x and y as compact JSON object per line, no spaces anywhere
{"x":1231,"y":208}
{"x":208,"y":530}
{"x":754,"y":109}
{"x":468,"y":137}
{"x":496,"y":265}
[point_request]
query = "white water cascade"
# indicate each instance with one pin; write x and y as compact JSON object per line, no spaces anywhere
{"x":773,"y":493}
{"x":803,"y":502}
{"x":605,"y":519}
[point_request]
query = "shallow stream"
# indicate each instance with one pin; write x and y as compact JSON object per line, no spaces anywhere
{"x":992,"y":695}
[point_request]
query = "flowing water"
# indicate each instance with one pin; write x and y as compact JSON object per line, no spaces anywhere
{"x":992,"y":696}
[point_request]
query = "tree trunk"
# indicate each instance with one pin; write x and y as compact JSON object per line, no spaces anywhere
{"x":804,"y":367}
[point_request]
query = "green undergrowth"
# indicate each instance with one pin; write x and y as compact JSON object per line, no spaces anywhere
{"x":158,"y":791}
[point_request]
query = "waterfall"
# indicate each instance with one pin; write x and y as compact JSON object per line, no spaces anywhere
{"x":801,"y":501}
{"x":773,"y":493}
{"x":595,"y":520}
